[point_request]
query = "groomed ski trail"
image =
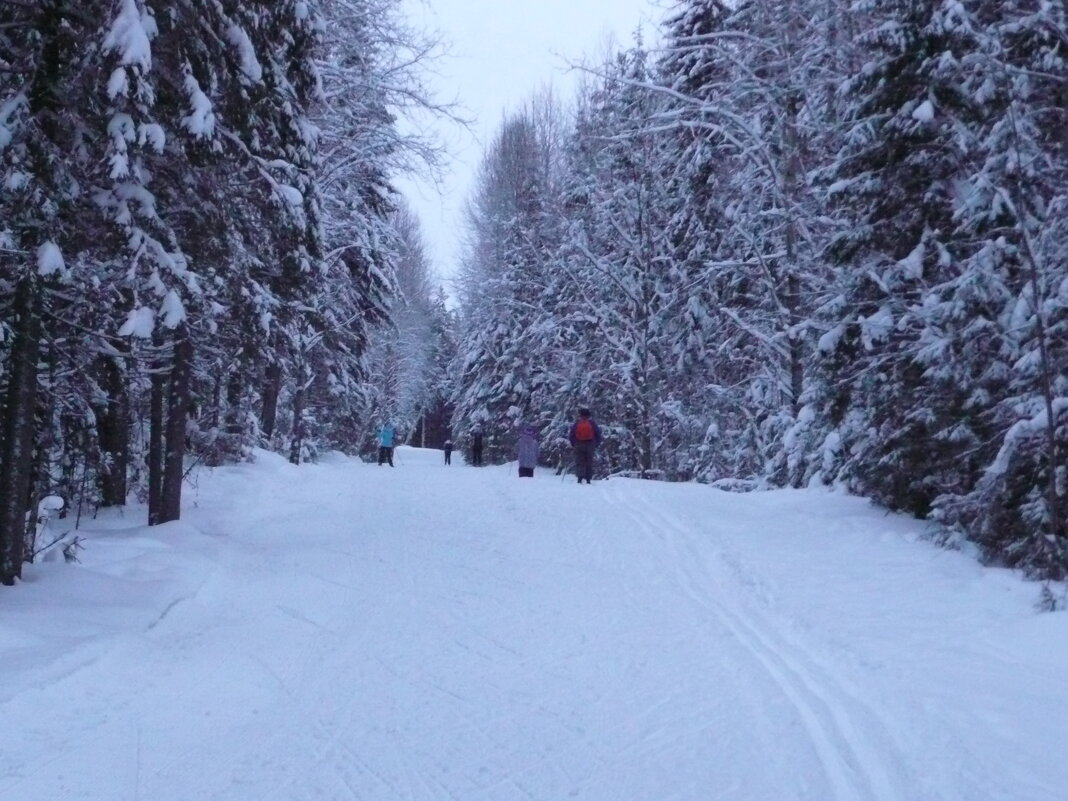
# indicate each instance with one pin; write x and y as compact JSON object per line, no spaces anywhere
{"x":419,"y":633}
{"x":858,"y":759}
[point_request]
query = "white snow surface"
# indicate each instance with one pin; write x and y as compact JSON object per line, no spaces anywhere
{"x":250,"y":65}
{"x":349,"y":631}
{"x":924,"y":112}
{"x":172,"y":310}
{"x":130,"y":36}
{"x":140,"y":322}
{"x":49,"y":259}
{"x":291,"y":195}
{"x":201,"y":118}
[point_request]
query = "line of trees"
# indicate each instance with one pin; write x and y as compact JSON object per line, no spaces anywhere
{"x":797,"y":243}
{"x":197,"y":237}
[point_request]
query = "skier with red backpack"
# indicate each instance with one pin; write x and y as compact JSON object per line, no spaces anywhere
{"x":585,"y":437}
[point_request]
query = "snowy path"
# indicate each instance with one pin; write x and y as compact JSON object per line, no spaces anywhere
{"x":344,"y":631}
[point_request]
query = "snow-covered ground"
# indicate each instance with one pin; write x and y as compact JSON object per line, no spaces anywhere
{"x":349,"y":631}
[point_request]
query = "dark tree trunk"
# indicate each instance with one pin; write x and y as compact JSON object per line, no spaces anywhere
{"x":235,"y":418}
{"x":272,"y":387}
{"x":219,"y":446}
{"x":155,"y":443}
{"x":796,"y":343}
{"x":177,"y":417}
{"x":645,"y":437}
{"x":18,"y":415}
{"x":792,"y":190}
{"x":435,"y":425}
{"x":16,"y":447}
{"x":113,"y":432}
{"x":216,"y":413}
{"x":296,"y":442}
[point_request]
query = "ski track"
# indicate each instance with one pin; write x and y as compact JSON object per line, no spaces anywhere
{"x":851,"y":742}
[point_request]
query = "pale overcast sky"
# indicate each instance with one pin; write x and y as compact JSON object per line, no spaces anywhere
{"x":501,"y":52}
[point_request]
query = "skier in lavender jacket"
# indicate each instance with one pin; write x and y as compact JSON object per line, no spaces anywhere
{"x":527,"y":451}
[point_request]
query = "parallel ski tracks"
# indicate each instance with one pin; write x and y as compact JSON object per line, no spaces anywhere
{"x":856,"y":753}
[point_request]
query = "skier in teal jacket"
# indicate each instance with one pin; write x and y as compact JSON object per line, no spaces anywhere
{"x":386,"y":434}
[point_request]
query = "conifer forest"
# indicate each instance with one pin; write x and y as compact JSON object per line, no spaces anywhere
{"x":769,"y":244}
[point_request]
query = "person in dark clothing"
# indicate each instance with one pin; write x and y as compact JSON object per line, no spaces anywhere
{"x":448,"y":451}
{"x":476,"y":446}
{"x":585,"y":438}
{"x":527,"y":451}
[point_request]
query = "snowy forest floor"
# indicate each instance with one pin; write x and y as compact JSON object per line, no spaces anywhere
{"x":349,"y":631}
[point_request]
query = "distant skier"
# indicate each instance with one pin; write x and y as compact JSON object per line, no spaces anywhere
{"x":448,"y":451}
{"x":585,"y":438}
{"x":527,"y":451}
{"x":386,"y":434}
{"x":476,"y":446}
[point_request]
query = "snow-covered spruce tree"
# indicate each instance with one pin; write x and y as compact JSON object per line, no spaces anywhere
{"x":237,"y":84}
{"x":784,"y":93}
{"x":46,"y":58}
{"x":363,"y":77}
{"x":262,"y":106}
{"x":126,"y":168}
{"x":436,"y":423}
{"x":372,"y":67}
{"x":748,"y":103}
{"x":195,"y":187}
{"x":625,"y":294}
{"x":76,"y":126}
{"x":31,"y":71}
{"x":905,"y":433}
{"x":999,"y":327}
{"x":713,"y":434}
{"x":399,"y":361}
{"x":161,"y":240}
{"x":505,"y":319}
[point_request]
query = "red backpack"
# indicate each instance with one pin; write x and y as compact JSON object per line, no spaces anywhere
{"x":584,"y":430}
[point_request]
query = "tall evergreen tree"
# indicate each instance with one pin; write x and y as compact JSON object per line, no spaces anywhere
{"x":162,"y":235}
{"x":906,"y":434}
{"x":621,"y":262}
{"x":999,"y":327}
{"x":500,"y":373}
